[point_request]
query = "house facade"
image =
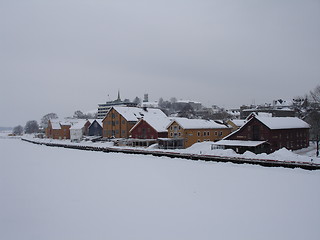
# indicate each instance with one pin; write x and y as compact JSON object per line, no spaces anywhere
{"x":119,"y":120}
{"x":78,"y":130}
{"x":95,"y":128}
{"x":150,"y":129}
{"x":59,"y":129}
{"x":289,"y":132}
{"x":183,"y":132}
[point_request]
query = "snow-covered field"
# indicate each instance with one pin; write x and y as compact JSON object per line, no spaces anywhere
{"x":56,"y":193}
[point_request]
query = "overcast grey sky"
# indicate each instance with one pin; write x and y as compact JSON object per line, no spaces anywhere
{"x":64,"y":55}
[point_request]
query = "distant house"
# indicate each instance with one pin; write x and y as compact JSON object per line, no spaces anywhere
{"x":79,"y":129}
{"x":289,"y":132}
{"x":59,"y":129}
{"x":119,"y":120}
{"x":95,"y":128}
{"x":183,"y":132}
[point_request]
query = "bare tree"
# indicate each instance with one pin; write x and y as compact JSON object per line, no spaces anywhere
{"x":80,"y":115}
{"x":313,"y":113}
{"x":315,"y":94}
{"x":45,"y":119}
{"x":18,"y":130}
{"x":31,"y":127}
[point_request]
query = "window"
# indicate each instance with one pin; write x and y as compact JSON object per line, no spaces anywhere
{"x":216,"y":133}
{"x":208,"y":133}
{"x":199,"y":134}
{"x":171,"y":134}
{"x":179,"y":134}
{"x":204,"y":134}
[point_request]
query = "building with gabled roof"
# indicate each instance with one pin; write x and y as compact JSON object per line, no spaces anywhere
{"x":79,"y":129}
{"x":95,"y":128}
{"x":184,"y":132}
{"x":151,"y":127}
{"x":119,"y":120}
{"x":59,"y":128}
{"x":289,"y":132}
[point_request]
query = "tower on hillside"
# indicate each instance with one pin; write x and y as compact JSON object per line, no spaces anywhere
{"x":146,"y":97}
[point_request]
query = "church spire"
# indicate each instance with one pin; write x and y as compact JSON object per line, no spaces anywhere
{"x":119,"y":99}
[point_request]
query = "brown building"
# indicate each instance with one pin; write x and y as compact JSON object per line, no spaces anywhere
{"x":289,"y":132}
{"x":119,"y":120}
{"x":150,"y":128}
{"x":59,"y":129}
{"x":183,"y":132}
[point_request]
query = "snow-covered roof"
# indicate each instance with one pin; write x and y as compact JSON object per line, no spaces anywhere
{"x":186,"y":123}
{"x":133,"y":114}
{"x":99,"y":121}
{"x":283,"y":122}
{"x":238,"y":143}
{"x":150,"y":104}
{"x":157,"y":122}
{"x":79,"y":125}
{"x":239,"y":122}
{"x":55,"y":124}
{"x":188,"y":101}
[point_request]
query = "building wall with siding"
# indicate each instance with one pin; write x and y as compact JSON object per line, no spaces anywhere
{"x":191,"y":136}
{"x":143,"y":130}
{"x":115,"y":125}
{"x":293,"y":139}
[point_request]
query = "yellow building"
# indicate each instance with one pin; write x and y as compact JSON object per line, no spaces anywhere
{"x":235,"y":124}
{"x":186,"y":132}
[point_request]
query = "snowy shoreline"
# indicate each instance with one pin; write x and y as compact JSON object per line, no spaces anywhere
{"x":199,"y":151}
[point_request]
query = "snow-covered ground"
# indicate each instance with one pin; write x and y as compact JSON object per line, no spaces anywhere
{"x":57,"y":193}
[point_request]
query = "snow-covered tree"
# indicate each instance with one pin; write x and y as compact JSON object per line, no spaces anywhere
{"x":17,"y":130}
{"x":31,"y":127}
{"x":137,"y":100}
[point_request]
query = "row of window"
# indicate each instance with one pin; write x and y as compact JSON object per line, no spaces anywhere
{"x":114,"y":123}
{"x":205,"y":134}
{"x":114,"y":132}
